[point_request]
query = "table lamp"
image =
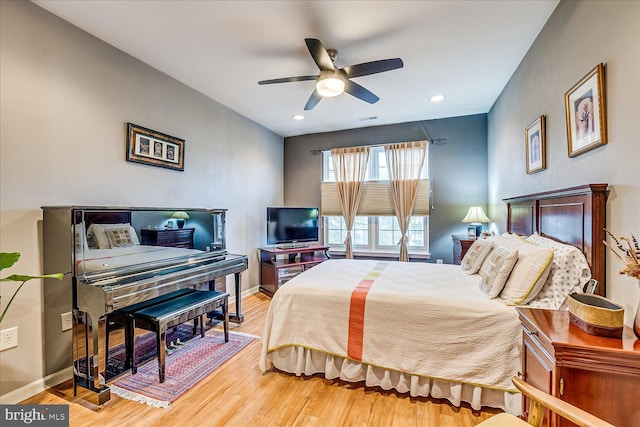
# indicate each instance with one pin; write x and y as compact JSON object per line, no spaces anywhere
{"x":181,"y":216}
{"x":476,"y":217}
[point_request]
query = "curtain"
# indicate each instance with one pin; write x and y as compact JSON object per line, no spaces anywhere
{"x":350,"y":166}
{"x":405,"y":162}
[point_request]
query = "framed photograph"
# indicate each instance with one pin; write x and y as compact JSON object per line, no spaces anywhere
{"x":586,"y":113}
{"x":536,"y":146}
{"x":472,"y":230}
{"x":154,"y":148}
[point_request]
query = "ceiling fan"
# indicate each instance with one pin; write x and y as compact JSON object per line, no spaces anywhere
{"x":333,"y":81}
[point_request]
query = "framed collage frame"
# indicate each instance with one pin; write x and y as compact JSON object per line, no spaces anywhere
{"x":154,"y":148}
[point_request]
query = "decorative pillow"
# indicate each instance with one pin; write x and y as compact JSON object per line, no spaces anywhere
{"x":528,"y":275}
{"x":495,"y":270}
{"x":98,"y":239}
{"x":569,"y":273}
{"x":119,"y":237}
{"x":476,"y":254}
{"x":79,"y":238}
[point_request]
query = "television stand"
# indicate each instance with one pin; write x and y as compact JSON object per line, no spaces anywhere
{"x":279,"y":265}
{"x":293,"y":246}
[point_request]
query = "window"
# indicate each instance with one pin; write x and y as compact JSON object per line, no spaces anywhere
{"x":377,"y":234}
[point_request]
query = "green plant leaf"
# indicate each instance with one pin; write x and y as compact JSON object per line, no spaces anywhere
{"x":23,"y":278}
{"x":8,"y":259}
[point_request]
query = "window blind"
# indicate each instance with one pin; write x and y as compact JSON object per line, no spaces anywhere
{"x":376,"y":199}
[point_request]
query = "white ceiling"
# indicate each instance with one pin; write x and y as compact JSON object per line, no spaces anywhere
{"x":465,"y":50}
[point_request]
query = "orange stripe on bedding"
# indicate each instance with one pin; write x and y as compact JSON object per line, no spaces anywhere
{"x":356,"y":311}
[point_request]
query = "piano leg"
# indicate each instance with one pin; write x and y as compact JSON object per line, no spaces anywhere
{"x":237,"y":317}
{"x":90,"y":362}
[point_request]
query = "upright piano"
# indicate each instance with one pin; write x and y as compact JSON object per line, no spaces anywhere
{"x":107,"y":269}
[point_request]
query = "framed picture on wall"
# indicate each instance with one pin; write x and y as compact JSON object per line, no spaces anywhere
{"x":536,"y":146}
{"x":154,"y":148}
{"x":585,"y":105}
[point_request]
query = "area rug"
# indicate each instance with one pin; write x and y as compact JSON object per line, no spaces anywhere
{"x":184,"y":367}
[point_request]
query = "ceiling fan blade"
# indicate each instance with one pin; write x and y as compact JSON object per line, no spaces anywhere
{"x":287,"y":79}
{"x":319,"y":54}
{"x":373,"y":67}
{"x":359,"y":92}
{"x":313,"y":100}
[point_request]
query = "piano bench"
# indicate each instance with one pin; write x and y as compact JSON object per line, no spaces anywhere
{"x":173,"y":312}
{"x":122,"y":318}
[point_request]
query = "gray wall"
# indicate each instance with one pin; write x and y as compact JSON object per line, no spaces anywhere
{"x":457,"y":169}
{"x":66,"y":98}
{"x":578,"y":36}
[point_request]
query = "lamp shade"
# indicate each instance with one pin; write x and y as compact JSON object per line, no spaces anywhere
{"x":180,"y":215}
{"x":476,"y":214}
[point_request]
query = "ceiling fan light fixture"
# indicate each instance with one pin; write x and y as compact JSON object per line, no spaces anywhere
{"x":330,"y":84}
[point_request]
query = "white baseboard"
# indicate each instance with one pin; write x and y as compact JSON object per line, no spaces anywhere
{"x":36,"y":387}
{"x":250,"y":291}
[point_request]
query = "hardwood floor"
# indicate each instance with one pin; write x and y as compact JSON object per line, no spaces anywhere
{"x":237,"y":394}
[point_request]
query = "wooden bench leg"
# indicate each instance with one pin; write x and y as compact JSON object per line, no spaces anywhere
{"x":161,"y":337}
{"x":201,"y":317}
{"x":134,"y":360}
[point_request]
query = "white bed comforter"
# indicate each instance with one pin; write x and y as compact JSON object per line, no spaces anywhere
{"x":427,"y":320}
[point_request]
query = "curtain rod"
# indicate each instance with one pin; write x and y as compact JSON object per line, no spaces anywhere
{"x":434,"y":141}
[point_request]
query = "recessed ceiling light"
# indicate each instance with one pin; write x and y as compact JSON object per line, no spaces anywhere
{"x":298,"y":117}
{"x":436,"y":98}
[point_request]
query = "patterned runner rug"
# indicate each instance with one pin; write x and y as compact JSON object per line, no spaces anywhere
{"x":184,"y":367}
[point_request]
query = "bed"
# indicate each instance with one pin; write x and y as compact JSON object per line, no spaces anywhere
{"x":107,"y":241}
{"x":429,"y":329}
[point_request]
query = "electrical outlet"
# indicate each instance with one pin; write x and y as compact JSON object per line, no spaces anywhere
{"x":439,"y":261}
{"x":66,"y":321}
{"x":8,"y":338}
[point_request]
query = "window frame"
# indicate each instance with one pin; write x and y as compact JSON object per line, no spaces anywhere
{"x":374,"y":247}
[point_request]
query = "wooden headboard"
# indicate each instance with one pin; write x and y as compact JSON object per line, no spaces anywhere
{"x":576,"y":216}
{"x":103,"y":217}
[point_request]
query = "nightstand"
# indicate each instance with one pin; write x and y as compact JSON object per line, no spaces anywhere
{"x":461,"y":245}
{"x":600,"y":375}
{"x":175,"y":237}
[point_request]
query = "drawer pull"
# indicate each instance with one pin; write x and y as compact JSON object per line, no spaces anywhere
{"x":561,"y":386}
{"x":532,"y":333}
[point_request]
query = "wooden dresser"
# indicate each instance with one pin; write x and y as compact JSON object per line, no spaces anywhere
{"x":600,"y":375}
{"x":461,"y":245}
{"x":176,"y":237}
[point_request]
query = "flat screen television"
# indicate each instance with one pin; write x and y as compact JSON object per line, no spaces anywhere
{"x":292,"y":225}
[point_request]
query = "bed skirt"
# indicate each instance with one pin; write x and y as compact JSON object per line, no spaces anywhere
{"x":303,"y":361}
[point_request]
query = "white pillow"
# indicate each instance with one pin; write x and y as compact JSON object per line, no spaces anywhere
{"x":476,"y":254}
{"x":569,"y":273}
{"x":529,"y":274}
{"x":495,"y":270}
{"x":98,"y":239}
